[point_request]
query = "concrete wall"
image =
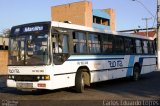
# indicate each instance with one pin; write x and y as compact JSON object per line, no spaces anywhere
{"x":112,"y":14}
{"x":3,"y":61}
{"x":78,"y":13}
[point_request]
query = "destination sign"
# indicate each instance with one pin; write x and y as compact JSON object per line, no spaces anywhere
{"x":30,"y":28}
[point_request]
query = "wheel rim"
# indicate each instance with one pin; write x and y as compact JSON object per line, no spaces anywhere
{"x":82,"y":82}
{"x":136,"y":73}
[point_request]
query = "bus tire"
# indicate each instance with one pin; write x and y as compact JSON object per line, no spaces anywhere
{"x":136,"y":73}
{"x":79,"y":81}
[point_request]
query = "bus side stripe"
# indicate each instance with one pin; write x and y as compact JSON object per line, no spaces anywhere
{"x":94,"y":59}
{"x":130,"y":64}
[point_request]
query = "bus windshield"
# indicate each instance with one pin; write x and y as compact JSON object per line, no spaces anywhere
{"x":29,"y":50}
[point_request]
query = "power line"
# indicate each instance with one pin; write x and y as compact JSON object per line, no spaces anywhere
{"x":154,"y":17}
{"x":154,"y":20}
{"x":144,"y":7}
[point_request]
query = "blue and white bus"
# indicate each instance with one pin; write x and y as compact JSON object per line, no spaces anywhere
{"x":53,"y":55}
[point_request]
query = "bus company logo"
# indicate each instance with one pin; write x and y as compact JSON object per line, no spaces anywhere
{"x":31,"y":29}
{"x":117,"y":63}
{"x":14,"y":71}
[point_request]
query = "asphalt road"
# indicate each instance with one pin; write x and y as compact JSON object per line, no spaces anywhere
{"x":123,"y":91}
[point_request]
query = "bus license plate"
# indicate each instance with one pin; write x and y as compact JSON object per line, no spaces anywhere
{"x":24,"y":85}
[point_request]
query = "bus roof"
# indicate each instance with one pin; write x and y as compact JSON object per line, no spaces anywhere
{"x":84,"y":28}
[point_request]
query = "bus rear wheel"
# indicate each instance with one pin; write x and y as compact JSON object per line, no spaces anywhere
{"x":136,"y":73}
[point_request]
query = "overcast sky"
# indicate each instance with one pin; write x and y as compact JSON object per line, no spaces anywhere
{"x":129,"y":13}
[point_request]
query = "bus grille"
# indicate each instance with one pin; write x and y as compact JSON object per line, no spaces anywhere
{"x":26,"y":78}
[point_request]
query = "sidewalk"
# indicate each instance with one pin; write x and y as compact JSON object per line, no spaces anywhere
{"x":3,"y":79}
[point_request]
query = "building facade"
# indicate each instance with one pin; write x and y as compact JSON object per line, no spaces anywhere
{"x":81,"y":13}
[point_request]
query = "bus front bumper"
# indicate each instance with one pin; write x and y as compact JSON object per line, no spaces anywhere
{"x":29,"y":85}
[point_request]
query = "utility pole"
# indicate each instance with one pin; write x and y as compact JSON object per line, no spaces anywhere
{"x":158,"y":33}
{"x":146,"y":19}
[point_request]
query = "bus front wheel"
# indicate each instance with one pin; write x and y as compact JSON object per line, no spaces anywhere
{"x":80,"y":81}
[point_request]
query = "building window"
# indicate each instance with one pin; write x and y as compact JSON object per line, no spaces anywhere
{"x":102,"y":21}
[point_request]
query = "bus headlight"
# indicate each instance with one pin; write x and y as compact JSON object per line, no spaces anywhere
{"x":43,"y":77}
{"x":38,"y":77}
{"x":47,"y":77}
{"x":11,"y":77}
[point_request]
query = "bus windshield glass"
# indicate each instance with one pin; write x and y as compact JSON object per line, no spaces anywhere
{"x":29,"y":50}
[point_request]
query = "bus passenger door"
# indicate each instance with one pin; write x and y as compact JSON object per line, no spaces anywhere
{"x":60,"y":48}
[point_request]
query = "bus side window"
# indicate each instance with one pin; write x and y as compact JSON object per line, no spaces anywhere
{"x":154,"y":47}
{"x":145,"y":47}
{"x":138,"y":45}
{"x":75,"y":48}
{"x":75,"y":45}
{"x":151,"y":47}
{"x":94,"y":43}
{"x":129,"y":47}
{"x":107,"y":44}
{"x":80,"y":42}
{"x":56,"y":44}
{"x":65,"y":45}
{"x":119,"y":45}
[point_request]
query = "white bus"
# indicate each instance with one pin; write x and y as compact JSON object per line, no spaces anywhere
{"x":53,"y":55}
